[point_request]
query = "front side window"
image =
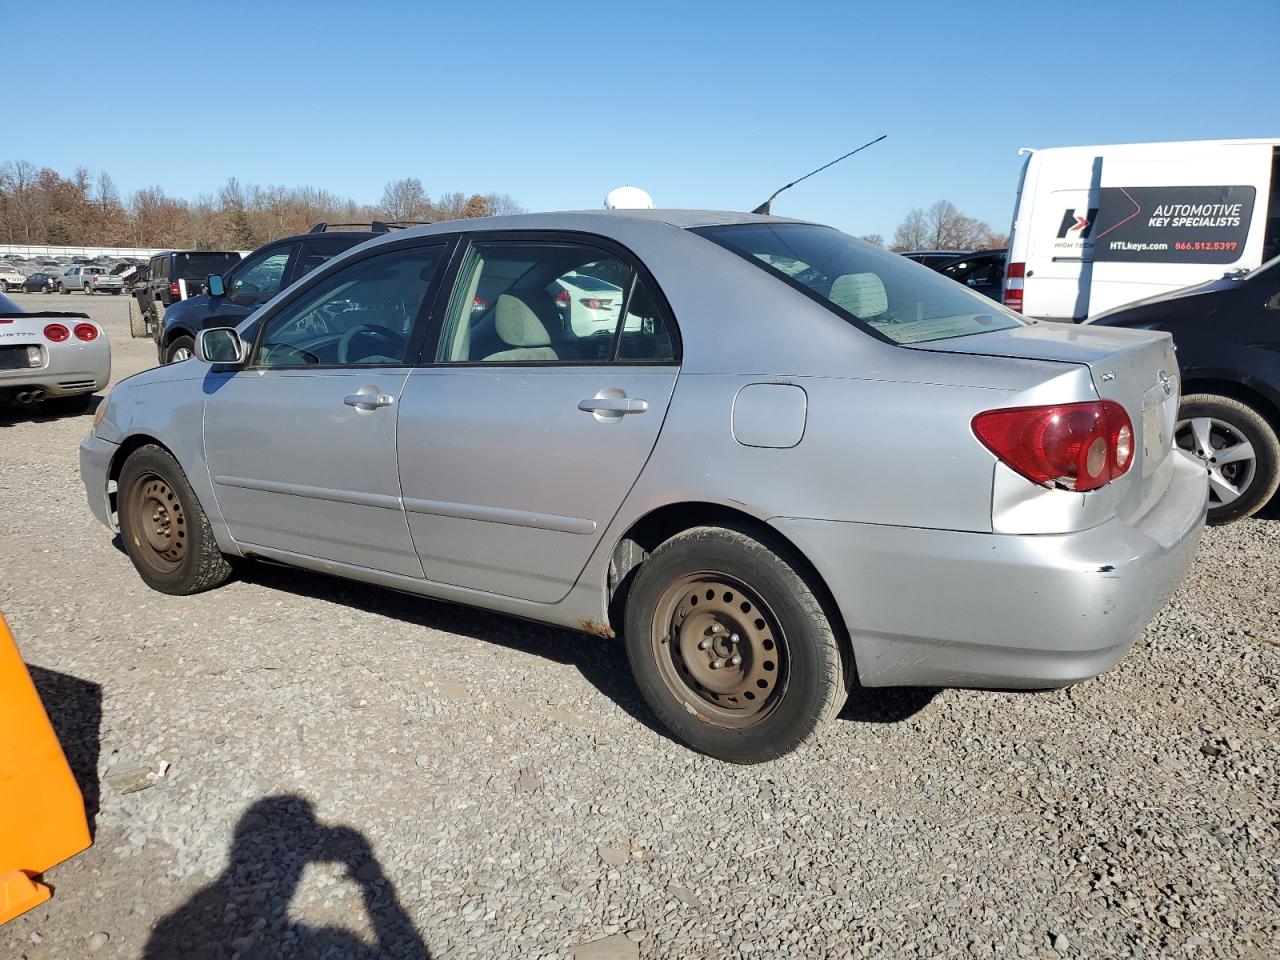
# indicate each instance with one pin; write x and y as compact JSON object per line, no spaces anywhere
{"x":878,"y":291}
{"x":548,"y":302}
{"x":362,"y":314}
{"x":259,"y":282}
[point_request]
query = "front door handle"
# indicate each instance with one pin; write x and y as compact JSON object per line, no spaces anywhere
{"x":368,"y":398}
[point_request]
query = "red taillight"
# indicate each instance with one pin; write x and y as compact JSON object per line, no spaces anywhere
{"x":1080,"y":446}
{"x":175,"y":290}
{"x":562,"y":299}
{"x":479,"y":305}
{"x":1013,"y":280}
{"x":86,"y":332}
{"x":56,"y":332}
{"x":593,"y":303}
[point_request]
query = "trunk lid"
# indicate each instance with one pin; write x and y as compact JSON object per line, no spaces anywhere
{"x":1135,"y":368}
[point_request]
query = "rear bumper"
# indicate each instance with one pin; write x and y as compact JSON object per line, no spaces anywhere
{"x":95,"y":467}
{"x":945,"y":608}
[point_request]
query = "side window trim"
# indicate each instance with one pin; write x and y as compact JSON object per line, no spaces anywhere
{"x":448,"y":244}
{"x":639,"y":273}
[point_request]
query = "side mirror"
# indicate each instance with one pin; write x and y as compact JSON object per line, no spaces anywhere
{"x":220,"y":345}
{"x":215,"y":286}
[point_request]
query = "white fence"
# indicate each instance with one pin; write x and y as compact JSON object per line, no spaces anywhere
{"x":43,"y":250}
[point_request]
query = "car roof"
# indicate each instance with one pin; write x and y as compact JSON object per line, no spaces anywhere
{"x":617,"y":225}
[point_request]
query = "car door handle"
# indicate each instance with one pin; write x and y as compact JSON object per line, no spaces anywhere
{"x":616,"y":405}
{"x":371,"y":400}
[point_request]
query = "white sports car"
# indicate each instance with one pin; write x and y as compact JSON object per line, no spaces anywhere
{"x":50,"y":358}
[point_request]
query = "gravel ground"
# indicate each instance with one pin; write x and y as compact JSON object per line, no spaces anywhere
{"x":295,"y":766}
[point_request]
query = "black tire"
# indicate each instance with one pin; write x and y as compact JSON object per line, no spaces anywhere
{"x":177,"y":345}
{"x":88,"y":291}
{"x":137,"y":319}
{"x":68,"y":406}
{"x":62,"y":289}
{"x":1264,"y":478}
{"x":814,"y":671}
{"x":163,"y":527}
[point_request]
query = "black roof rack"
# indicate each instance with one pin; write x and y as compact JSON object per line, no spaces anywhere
{"x":378,"y":226}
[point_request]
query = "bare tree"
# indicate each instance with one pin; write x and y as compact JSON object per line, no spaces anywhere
{"x":407,"y":200}
{"x":942,"y":227}
{"x":913,"y":232}
{"x":873,"y":238}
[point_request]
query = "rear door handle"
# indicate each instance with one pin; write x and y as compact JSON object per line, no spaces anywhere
{"x":369,"y":399}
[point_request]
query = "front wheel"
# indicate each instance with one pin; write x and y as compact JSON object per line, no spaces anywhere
{"x":1238,"y":446}
{"x":164,"y":529}
{"x":182,"y":348}
{"x":62,"y":288}
{"x":732,"y":647}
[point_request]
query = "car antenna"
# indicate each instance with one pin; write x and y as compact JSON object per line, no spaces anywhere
{"x":764,"y":207}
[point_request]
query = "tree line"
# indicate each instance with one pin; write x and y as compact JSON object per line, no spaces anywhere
{"x":941,"y":227}
{"x":41,"y":206}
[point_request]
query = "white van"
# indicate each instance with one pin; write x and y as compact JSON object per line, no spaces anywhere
{"x":1098,"y":227}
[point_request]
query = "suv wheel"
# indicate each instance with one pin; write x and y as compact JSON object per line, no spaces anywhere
{"x":62,"y":288}
{"x":164,"y":530}
{"x":731,"y":647}
{"x":182,"y":348}
{"x":1240,"y":449}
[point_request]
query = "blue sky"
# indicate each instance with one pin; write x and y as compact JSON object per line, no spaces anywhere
{"x":703,"y":104}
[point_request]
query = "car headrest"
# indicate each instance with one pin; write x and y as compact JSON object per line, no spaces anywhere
{"x":862,"y":294}
{"x":517,"y":323}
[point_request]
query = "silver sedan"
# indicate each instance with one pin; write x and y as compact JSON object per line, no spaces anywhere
{"x":50,"y":358}
{"x":795,"y":466}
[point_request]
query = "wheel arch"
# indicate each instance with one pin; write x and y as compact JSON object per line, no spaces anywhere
{"x":660,"y":524}
{"x":128,"y":446}
{"x":1244,"y":389}
{"x":174,"y":332}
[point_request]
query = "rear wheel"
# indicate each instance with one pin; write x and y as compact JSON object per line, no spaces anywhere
{"x":182,"y":348}
{"x":164,"y":529}
{"x":1238,"y":446}
{"x":731,"y":647}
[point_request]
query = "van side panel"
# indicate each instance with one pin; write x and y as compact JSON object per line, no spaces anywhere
{"x":1075,"y":231}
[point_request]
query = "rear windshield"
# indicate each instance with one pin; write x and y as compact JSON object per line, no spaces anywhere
{"x":876,"y":290}
{"x":197,"y":266}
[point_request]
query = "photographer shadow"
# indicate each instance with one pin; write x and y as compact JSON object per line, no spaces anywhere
{"x":245,"y":911}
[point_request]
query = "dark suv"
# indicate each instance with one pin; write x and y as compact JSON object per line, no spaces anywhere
{"x":177,"y":274}
{"x":249,"y":283}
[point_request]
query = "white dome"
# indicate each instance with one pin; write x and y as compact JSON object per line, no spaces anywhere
{"x":628,"y":198}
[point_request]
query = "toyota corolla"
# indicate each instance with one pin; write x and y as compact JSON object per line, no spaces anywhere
{"x":799,"y":466}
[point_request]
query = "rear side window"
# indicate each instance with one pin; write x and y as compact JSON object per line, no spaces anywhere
{"x":197,"y":266}
{"x":878,"y":291}
{"x":549,"y":301}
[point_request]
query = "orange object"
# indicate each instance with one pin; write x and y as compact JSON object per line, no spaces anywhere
{"x":42,"y":820}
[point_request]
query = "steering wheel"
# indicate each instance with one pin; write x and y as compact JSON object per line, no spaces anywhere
{"x":374,"y":331}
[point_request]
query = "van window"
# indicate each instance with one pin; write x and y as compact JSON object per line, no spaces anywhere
{"x":876,"y":290}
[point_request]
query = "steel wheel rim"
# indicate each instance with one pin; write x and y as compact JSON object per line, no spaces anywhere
{"x":158,"y":524}
{"x":1225,"y":450}
{"x":182,"y":353}
{"x":719,"y":649}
